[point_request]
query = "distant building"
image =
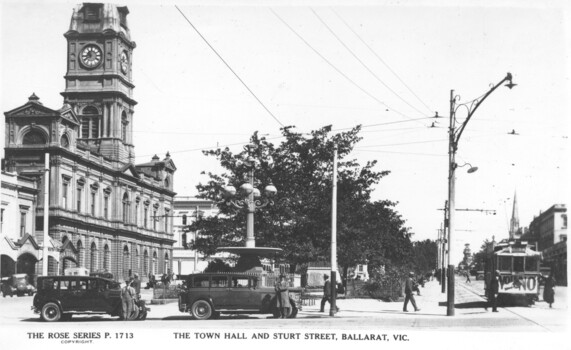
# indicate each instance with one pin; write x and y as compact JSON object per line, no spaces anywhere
{"x":549,"y":230}
{"x":185,"y":260}
{"x":18,"y":248}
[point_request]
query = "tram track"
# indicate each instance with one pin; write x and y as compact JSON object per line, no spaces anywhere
{"x":471,"y":290}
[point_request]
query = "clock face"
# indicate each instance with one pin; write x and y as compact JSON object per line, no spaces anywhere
{"x":124,"y":62}
{"x":91,"y":56}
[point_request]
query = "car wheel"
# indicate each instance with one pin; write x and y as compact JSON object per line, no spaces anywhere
{"x":51,"y":312}
{"x":201,"y":310}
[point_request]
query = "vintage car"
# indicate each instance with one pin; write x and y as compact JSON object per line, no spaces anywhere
{"x":17,"y":284}
{"x":206,"y":295}
{"x":60,"y":297}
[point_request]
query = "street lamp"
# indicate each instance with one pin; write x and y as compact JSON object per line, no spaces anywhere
{"x":454,"y":138}
{"x":249,"y":197}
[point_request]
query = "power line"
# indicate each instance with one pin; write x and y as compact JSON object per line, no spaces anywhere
{"x":277,"y":137}
{"x":227,"y":65}
{"x":363,"y":63}
{"x":405,"y":143}
{"x":357,"y":149}
{"x":381,"y":60}
{"x":335,"y":68}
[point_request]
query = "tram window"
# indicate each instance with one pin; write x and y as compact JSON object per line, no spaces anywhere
{"x":518,"y":264}
{"x":505,"y":263}
{"x":530,"y":264}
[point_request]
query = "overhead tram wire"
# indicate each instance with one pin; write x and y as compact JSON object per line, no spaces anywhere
{"x":232,"y":70}
{"x":363,"y":63}
{"x":277,"y":137}
{"x":281,"y":136}
{"x":381,"y":60}
{"x":335,"y":68}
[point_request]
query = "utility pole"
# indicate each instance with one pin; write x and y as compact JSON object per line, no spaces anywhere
{"x":46,"y":214}
{"x":333,"y":308}
{"x":443,"y":270}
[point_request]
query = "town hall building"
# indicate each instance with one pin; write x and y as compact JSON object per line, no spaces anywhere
{"x":105,"y":212}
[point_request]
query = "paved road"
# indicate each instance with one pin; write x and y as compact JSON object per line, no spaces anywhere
{"x":356,"y":314}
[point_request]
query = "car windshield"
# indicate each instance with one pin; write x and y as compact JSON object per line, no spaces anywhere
{"x":21,"y":279}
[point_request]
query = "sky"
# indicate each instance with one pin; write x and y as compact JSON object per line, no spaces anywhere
{"x":386,"y":65}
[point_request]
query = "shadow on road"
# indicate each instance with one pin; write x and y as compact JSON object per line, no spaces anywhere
{"x":470,"y":305}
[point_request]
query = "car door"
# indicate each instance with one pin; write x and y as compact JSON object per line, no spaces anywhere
{"x":242,"y":294}
{"x":69,"y":294}
{"x":219,"y":287}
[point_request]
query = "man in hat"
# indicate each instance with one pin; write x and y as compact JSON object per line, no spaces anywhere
{"x":493,"y":292}
{"x":282,"y":294}
{"x":127,"y":300}
{"x":136,"y":284}
{"x":326,"y":293}
{"x":408,"y":293}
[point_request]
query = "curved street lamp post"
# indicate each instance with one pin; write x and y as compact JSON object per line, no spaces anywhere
{"x":454,"y":138}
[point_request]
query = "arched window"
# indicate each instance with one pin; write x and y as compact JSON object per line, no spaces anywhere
{"x":126,"y":208}
{"x":64,"y":141}
{"x":124,"y":123}
{"x":93,"y":257}
{"x":34,"y":137}
{"x":137,"y":265}
{"x":167,"y":264}
{"x":126,"y":262}
{"x":80,"y":253}
{"x":90,"y":122}
{"x":146,"y":263}
{"x":154,"y":266}
{"x":106,"y":258}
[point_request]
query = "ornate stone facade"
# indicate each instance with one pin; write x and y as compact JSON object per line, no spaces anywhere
{"x":105,"y":212}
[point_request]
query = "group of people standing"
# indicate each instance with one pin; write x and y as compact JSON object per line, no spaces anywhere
{"x":130,"y":293}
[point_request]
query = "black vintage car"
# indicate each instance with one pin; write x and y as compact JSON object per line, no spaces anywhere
{"x":60,"y":297}
{"x":17,"y":284}
{"x":206,"y":295}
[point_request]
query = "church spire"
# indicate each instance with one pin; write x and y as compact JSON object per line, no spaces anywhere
{"x":515,"y":232}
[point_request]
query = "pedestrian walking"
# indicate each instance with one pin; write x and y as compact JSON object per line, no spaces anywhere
{"x":468,"y":277}
{"x":549,"y":290}
{"x":127,"y":300}
{"x":493,"y":291}
{"x":282,"y":294}
{"x":408,"y":293}
{"x":326,"y":293}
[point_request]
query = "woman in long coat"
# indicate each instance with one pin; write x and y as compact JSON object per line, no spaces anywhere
{"x":548,"y":290}
{"x":282,"y":296}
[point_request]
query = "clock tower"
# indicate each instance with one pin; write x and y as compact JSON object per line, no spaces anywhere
{"x":98,"y":81}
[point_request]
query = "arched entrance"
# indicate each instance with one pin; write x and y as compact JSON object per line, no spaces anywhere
{"x":8,"y":266}
{"x":26,"y":264}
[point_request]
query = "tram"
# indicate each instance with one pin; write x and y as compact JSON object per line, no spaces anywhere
{"x":519,"y":265}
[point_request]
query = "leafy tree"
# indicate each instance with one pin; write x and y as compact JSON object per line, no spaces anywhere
{"x":479,"y":258}
{"x":299,"y":222}
{"x":425,"y":255}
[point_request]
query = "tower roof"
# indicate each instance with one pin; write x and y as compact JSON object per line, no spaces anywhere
{"x":98,"y":17}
